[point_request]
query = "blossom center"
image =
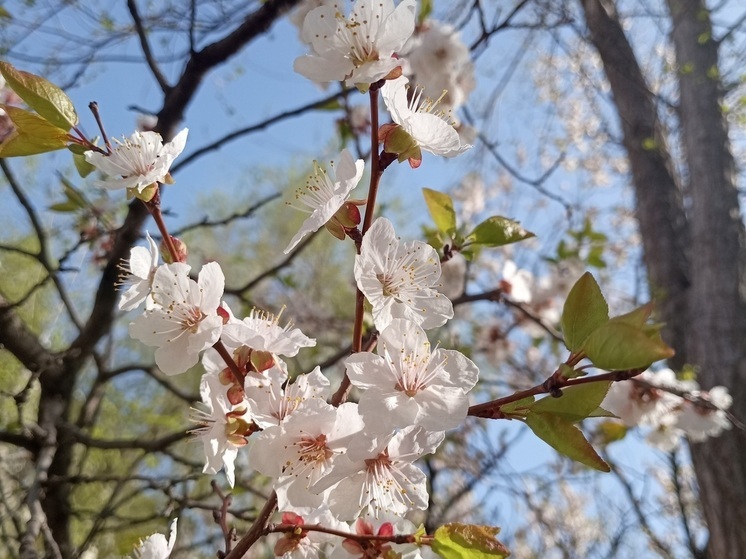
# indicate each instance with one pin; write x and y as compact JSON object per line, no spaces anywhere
{"x":313,"y":450}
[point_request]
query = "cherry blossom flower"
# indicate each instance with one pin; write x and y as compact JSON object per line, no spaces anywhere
{"x":262,"y":331}
{"x":139,"y":271}
{"x":156,"y":546}
{"x":699,"y":422}
{"x":184,"y":319}
{"x":516,"y":283}
{"x":138,"y":161}
{"x":378,"y":475}
{"x":440,"y":61}
{"x":419,"y":125}
{"x":357,"y":49}
{"x":637,"y":404}
{"x":323,"y":196}
{"x":399,"y":278}
{"x":271,"y":404}
{"x":304,"y":448}
{"x":407,"y":384}
{"x":223,"y":427}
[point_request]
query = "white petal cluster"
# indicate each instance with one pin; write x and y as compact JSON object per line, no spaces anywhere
{"x":138,"y":161}
{"x":408,"y":384}
{"x":322,"y":196}
{"x":429,"y":124}
{"x":440,"y":61}
{"x":137,"y":279}
{"x":399,"y":279}
{"x":358,"y":49}
{"x":670,"y":408}
{"x":156,"y":546}
{"x":183,"y":320}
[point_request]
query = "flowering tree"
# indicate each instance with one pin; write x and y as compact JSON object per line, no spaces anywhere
{"x":348,"y":458}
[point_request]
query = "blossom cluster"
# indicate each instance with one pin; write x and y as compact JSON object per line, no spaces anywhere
{"x":670,"y":408}
{"x":351,"y":459}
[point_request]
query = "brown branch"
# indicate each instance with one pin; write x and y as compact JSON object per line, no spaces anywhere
{"x":145,"y":46}
{"x":491,"y":409}
{"x":288,"y":528}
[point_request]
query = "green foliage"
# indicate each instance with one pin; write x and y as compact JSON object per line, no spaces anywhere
{"x":441,"y":210}
{"x":585,"y":244}
{"x":620,"y":343}
{"x":562,"y":435}
{"x":576,"y":403}
{"x":617,"y":346}
{"x":468,"y":541}
{"x":32,"y":134}
{"x":585,"y":310}
{"x":497,"y":231}
{"x":52,"y":104}
{"x":553,"y":419}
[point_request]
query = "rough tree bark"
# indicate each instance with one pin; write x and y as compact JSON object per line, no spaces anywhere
{"x":701,"y":287}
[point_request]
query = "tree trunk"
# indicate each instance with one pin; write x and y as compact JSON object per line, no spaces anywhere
{"x":703,"y":285}
{"x":717,"y":335}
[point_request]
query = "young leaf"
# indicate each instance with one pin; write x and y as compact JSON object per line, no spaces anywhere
{"x":441,"y":209}
{"x":497,"y":231}
{"x":576,"y":402}
{"x":41,"y":95}
{"x":617,"y":346}
{"x":584,"y":311}
{"x":32,"y":134}
{"x":519,"y":408}
{"x":82,"y":166}
{"x":468,"y":541}
{"x":565,"y":438}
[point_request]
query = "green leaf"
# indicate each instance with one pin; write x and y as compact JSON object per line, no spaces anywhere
{"x":32,"y":134}
{"x":620,"y":346}
{"x":576,"y":403}
{"x":497,"y":231}
{"x":82,"y":166}
{"x":564,"y":437}
{"x":584,"y":311}
{"x":41,"y":95}
{"x":441,"y":209}
{"x":519,"y":408}
{"x":468,"y":541}
{"x":637,"y":317}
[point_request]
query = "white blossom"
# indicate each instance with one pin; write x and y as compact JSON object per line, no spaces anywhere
{"x":223,"y":427}
{"x":429,"y":127}
{"x":357,"y":49}
{"x":271,"y":404}
{"x":184,"y":319}
{"x":378,"y":475}
{"x":156,"y":546}
{"x":407,"y":384}
{"x":137,"y":161}
{"x":303,"y":449}
{"x":262,"y":331}
{"x":399,"y":278}
{"x":139,"y":271}
{"x":440,"y":61}
{"x":322,"y":196}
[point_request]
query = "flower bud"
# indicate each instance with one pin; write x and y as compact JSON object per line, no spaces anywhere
{"x":262,"y":360}
{"x":348,"y":216}
{"x":181,"y":251}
